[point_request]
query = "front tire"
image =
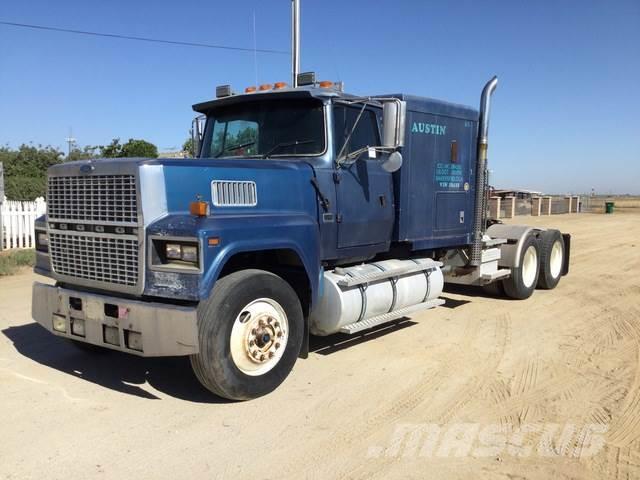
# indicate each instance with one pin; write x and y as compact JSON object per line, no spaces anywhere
{"x":523,"y":279}
{"x":250,"y":333}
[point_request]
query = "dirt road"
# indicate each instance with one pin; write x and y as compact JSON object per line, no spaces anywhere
{"x":479,"y":388}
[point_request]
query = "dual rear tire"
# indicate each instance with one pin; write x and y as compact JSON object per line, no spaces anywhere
{"x":540,"y":265}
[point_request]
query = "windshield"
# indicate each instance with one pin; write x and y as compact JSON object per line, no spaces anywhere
{"x":265,"y":128}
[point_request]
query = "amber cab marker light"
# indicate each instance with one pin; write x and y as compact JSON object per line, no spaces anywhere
{"x":279,"y":85}
{"x":213,"y":241}
{"x":198,"y":208}
{"x":249,"y":89}
{"x":326,"y":84}
{"x":264,"y":86}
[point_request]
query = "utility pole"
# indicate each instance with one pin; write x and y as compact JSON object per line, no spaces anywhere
{"x":295,"y":41}
{"x":70,"y":141}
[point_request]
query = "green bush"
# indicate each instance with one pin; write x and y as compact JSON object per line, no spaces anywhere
{"x":12,"y":260}
{"x":25,"y":170}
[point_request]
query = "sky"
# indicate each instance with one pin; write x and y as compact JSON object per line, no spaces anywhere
{"x":564,"y":118}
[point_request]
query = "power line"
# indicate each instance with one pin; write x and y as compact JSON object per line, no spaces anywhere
{"x":141,"y":39}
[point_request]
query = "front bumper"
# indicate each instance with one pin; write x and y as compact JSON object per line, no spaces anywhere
{"x":142,"y":328}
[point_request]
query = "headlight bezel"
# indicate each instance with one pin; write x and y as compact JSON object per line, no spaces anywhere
{"x":168,"y":254}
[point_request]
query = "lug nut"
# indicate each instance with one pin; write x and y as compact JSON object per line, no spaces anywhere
{"x":277,"y":324}
{"x":277,"y":345}
{"x":271,"y":354}
{"x":252,"y":343}
{"x":261,"y":357}
{"x":253,"y":331}
{"x":255,"y":354}
{"x":279,"y":334}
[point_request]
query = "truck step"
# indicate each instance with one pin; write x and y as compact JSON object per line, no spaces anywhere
{"x":387,"y":317}
{"x":495,"y":276}
{"x":374,"y":277}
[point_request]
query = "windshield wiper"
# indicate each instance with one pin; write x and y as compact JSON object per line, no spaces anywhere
{"x":286,"y":144}
{"x":234,"y":147}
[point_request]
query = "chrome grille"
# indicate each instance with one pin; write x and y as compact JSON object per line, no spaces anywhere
{"x":100,"y":259}
{"x":93,"y":198}
{"x":230,"y":193}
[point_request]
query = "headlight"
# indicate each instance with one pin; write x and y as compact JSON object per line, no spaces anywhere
{"x":173,"y":251}
{"x":175,"y":254}
{"x":190,"y":253}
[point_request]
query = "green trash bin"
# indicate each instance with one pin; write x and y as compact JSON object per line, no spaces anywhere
{"x":608,"y":206}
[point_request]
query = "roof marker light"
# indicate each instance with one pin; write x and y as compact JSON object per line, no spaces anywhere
{"x":250,"y":89}
{"x":325,"y":84}
{"x":279,"y":85}
{"x":264,"y":87}
{"x":223,"y":91}
{"x":306,"y":78}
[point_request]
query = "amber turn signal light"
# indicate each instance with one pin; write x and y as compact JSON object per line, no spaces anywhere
{"x":199,"y":208}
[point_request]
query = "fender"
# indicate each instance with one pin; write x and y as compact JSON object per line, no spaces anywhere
{"x":515,"y":234}
{"x":249,"y":233}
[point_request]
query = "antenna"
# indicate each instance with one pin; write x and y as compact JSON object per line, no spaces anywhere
{"x":255,"y":42}
{"x":295,"y":41}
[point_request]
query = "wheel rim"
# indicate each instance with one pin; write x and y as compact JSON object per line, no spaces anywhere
{"x":555,"y":259}
{"x":529,"y":266}
{"x":259,"y":336}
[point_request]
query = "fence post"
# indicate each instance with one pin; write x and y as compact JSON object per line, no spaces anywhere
{"x":494,"y":208}
{"x":536,"y":206}
{"x":2,"y":204}
{"x":509,"y":207}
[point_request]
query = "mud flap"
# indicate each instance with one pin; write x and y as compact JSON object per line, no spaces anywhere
{"x":566,"y":237}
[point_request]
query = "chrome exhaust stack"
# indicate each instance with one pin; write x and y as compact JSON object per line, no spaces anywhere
{"x":295,"y":41}
{"x":481,"y":172}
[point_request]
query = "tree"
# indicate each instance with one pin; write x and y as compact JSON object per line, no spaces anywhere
{"x":187,"y":146}
{"x":139,"y":148}
{"x":113,"y":150}
{"x":85,"y":153}
{"x":133,"y":148}
{"x":25,"y":170}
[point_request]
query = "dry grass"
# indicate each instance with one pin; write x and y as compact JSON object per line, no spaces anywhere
{"x":12,"y":260}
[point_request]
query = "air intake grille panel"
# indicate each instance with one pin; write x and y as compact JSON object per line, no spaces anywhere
{"x":231,"y":193}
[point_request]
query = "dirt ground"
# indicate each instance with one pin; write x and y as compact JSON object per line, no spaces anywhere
{"x":478,"y":388}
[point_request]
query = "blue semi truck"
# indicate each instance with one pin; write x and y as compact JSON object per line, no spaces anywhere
{"x":306,"y":211}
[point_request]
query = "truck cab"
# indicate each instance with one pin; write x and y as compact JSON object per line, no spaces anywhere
{"x":305,"y":210}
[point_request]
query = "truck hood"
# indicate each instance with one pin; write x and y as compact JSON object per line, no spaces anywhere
{"x":168,"y":185}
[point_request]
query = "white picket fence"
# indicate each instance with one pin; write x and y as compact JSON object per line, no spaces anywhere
{"x":17,"y":220}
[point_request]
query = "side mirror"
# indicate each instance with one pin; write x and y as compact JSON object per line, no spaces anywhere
{"x":197,"y":132}
{"x":393,"y":162}
{"x":394,"y":113}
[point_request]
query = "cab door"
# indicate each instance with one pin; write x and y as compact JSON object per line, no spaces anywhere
{"x":364,"y":190}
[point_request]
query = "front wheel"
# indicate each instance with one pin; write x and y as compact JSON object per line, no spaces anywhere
{"x":523,"y":279}
{"x":250,"y":333}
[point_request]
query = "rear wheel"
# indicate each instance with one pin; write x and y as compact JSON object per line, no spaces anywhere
{"x":249,"y":332}
{"x":523,"y":279}
{"x":551,"y":259}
